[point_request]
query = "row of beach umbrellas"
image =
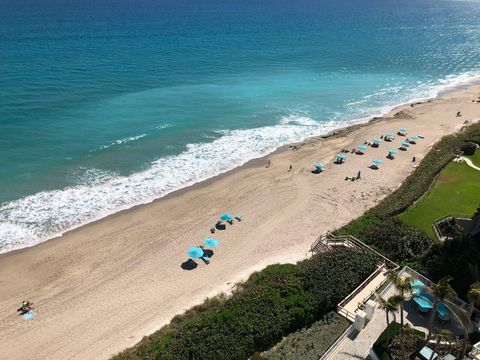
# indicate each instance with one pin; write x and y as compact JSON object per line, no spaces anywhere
{"x":319,"y":166}
{"x":197,"y":252}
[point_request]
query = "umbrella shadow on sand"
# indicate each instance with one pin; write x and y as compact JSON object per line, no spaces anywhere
{"x":190,"y":264}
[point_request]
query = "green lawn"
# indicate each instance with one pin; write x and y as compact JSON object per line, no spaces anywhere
{"x":456,"y":191}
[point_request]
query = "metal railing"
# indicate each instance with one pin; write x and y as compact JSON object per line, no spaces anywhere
{"x":334,"y":347}
{"x":436,"y":228}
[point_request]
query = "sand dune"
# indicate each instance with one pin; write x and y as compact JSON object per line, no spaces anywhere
{"x":102,"y":287}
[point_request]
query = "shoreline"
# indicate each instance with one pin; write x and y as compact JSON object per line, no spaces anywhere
{"x":351,"y":125}
{"x":131,"y":260}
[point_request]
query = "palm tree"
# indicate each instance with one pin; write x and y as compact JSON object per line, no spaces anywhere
{"x":390,"y":306}
{"x":440,"y":292}
{"x":473,"y":296}
{"x":404,"y":288}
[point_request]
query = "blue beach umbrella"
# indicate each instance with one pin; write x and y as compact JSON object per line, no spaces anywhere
{"x":341,"y":156}
{"x":319,"y":165}
{"x":403,"y":129}
{"x":29,"y":315}
{"x":377,"y":161}
{"x":211,"y":242}
{"x":195,"y":252}
{"x":391,"y":151}
{"x":407,"y":144}
{"x":362,"y":147}
{"x":414,"y":137}
{"x":226,"y":217}
{"x":377,"y":140}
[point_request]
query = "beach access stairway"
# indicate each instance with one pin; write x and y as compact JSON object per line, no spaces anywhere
{"x":349,"y":306}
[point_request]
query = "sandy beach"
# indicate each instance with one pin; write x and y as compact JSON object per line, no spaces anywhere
{"x":102,"y":287}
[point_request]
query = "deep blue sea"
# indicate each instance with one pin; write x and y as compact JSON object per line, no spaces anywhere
{"x":107,"y":104}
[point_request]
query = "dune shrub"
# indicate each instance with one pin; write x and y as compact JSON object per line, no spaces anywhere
{"x":309,"y":343}
{"x":271,"y":304}
{"x":468,"y":148}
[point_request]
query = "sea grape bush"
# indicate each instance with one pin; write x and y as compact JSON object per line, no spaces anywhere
{"x":271,"y":304}
{"x":309,"y":343}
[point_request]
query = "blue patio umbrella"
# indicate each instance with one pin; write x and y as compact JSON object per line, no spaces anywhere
{"x":377,"y":140}
{"x":414,"y":137}
{"x":195,"y":252}
{"x":377,"y":161}
{"x":362,"y":147}
{"x":211,"y":242}
{"x":226,"y":217}
{"x":319,"y":165}
{"x":417,"y":286}
{"x":405,"y":143}
{"x":391,"y":151}
{"x":341,"y":156}
{"x":403,"y":129}
{"x":390,"y":134}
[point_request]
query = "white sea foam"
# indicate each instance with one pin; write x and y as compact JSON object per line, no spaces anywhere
{"x":123,"y":141}
{"x":33,"y":219}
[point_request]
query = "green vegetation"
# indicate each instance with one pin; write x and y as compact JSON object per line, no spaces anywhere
{"x":395,"y":239}
{"x":311,"y":343}
{"x":456,"y":191}
{"x":271,"y":304}
{"x":388,"y":343}
{"x":381,"y":345}
{"x":459,"y":258}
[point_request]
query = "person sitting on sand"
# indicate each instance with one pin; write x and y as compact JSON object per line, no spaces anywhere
{"x":459,"y":113}
{"x":26,"y":307}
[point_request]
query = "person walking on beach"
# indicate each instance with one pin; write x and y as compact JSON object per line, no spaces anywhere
{"x":290,"y":169}
{"x":268,"y":164}
{"x":359,"y":175}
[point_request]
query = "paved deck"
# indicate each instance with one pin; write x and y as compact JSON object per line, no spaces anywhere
{"x":366,"y":292}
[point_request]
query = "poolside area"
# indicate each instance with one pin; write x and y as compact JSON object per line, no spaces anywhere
{"x":357,"y":342}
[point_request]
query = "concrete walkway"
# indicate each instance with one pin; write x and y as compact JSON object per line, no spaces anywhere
{"x":469,"y":163}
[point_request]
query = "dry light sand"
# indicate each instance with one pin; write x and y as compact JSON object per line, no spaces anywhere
{"x":102,"y":287}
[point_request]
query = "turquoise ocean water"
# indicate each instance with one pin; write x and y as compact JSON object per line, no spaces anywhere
{"x":109,"y":104}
